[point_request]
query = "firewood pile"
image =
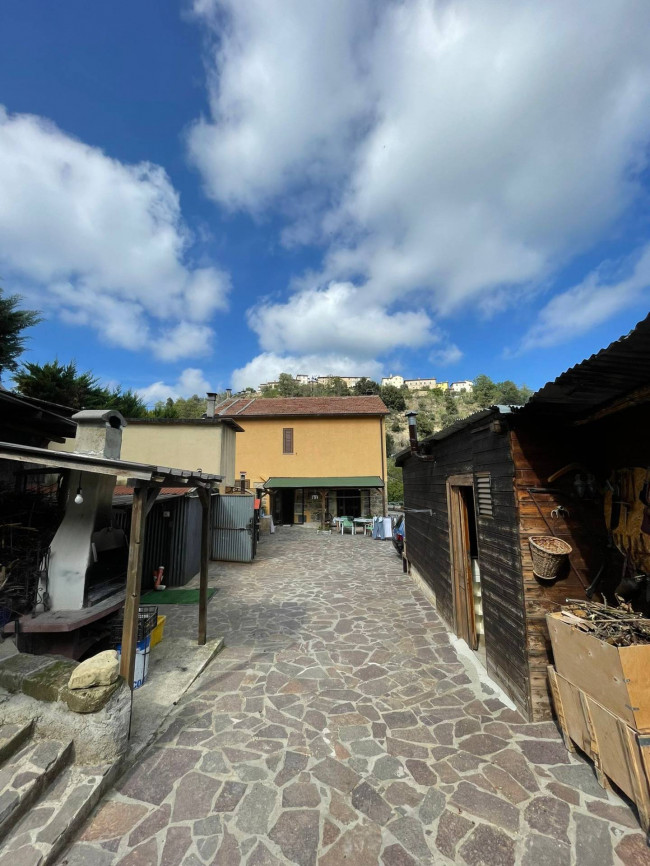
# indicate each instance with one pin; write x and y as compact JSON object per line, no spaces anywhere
{"x":618,"y":626}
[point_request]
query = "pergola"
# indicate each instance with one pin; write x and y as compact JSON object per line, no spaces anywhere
{"x":147,"y":481}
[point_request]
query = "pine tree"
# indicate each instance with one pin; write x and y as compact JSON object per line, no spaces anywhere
{"x":13,"y":322}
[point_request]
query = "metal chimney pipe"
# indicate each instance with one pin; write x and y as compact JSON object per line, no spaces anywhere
{"x":212,"y":402}
{"x":413,"y":432}
{"x":228,"y":392}
{"x":242,"y":482}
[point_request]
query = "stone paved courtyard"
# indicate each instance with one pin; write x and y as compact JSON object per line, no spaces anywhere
{"x":340,"y":727}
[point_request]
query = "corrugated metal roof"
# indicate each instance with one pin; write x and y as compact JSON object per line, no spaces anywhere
{"x":268,"y":407}
{"x":357,"y":481}
{"x":620,"y":369}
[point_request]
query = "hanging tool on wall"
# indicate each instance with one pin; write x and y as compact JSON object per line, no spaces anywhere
{"x":531,"y":492}
{"x":644,"y":496}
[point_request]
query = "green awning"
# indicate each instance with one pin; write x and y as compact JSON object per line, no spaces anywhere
{"x":348,"y":481}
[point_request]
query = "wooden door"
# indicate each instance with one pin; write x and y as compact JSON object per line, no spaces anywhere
{"x":461,"y":566}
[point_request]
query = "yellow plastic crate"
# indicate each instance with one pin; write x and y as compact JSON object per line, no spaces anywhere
{"x":157,"y":633}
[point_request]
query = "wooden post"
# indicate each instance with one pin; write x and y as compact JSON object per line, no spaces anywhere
{"x":205,"y":497}
{"x":323,"y":500}
{"x":133,"y":581}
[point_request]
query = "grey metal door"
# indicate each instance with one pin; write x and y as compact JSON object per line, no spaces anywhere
{"x":233,"y":528}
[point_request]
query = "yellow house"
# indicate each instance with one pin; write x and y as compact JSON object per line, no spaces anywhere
{"x":205,"y":443}
{"x":302,"y":448}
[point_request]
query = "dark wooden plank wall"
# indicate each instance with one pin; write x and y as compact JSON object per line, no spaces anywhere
{"x":474,"y":449}
{"x":540,"y":447}
{"x":538,"y":451}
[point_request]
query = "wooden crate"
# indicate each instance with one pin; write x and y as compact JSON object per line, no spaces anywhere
{"x":620,"y":754}
{"x":616,"y":677}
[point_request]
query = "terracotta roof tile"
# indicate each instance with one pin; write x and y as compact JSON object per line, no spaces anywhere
{"x":259,"y":407}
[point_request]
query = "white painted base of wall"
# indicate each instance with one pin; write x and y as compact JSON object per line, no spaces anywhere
{"x":473,"y":666}
{"x":477,"y":673}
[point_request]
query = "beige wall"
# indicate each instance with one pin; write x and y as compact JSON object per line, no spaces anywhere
{"x":209,"y":447}
{"x":322,"y":447}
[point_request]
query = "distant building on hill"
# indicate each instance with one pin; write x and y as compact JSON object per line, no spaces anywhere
{"x":420,"y":384}
{"x":459,"y":387}
{"x":396,"y":381}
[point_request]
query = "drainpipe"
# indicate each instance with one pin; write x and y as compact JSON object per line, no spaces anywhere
{"x":212,"y":401}
{"x":413,"y":432}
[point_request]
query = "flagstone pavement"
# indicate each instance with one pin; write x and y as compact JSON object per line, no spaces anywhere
{"x":340,"y":727}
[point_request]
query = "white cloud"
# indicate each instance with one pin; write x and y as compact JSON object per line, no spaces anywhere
{"x":191,"y":381}
{"x":268,"y":366}
{"x":592,"y":302}
{"x":446,"y":356}
{"x":285,"y":93}
{"x":185,"y":340}
{"x":336,"y":319}
{"x":103,"y":242}
{"x":456,"y":152}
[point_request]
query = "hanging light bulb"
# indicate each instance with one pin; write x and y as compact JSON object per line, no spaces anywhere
{"x":78,"y":498}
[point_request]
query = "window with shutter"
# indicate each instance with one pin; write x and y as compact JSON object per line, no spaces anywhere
{"x":287,"y":440}
{"x":484,"y":494}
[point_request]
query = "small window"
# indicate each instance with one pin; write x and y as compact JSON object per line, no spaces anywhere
{"x":484,"y":494}
{"x":287,"y":440}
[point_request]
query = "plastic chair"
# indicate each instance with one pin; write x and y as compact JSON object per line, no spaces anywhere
{"x":346,"y":523}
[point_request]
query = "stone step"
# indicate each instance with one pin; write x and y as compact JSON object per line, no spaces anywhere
{"x":12,"y":737}
{"x":43,"y":833}
{"x":26,"y":775}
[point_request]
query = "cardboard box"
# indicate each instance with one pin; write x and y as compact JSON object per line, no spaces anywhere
{"x":618,"y":678}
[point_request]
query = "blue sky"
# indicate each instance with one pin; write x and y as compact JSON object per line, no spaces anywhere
{"x":202,"y":194}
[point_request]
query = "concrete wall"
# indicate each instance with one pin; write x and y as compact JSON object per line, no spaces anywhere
{"x":322,"y":447}
{"x":208,"y":446}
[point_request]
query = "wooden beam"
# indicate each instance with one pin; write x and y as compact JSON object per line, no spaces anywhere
{"x":152,"y":495}
{"x":133,"y":581}
{"x":66,"y":460}
{"x":206,"y":500}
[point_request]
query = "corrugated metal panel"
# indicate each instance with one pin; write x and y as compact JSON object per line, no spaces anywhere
{"x":232,"y":528}
{"x":172,"y":539}
{"x":621,"y":368}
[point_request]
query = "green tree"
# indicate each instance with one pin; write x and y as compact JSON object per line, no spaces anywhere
{"x":508,"y":393}
{"x":13,"y":321}
{"x":164,"y":409}
{"x":390,"y":443}
{"x":192,"y":407}
{"x":485,"y":392}
{"x":393,"y":397}
{"x":366,"y":386}
{"x":395,"y":484}
{"x":128,"y":403}
{"x":338,"y":388}
{"x":63,"y":384}
{"x":450,"y":411}
{"x":424,"y":425}
{"x":288,"y":386}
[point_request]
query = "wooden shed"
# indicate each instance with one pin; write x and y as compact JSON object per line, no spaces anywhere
{"x":573,"y":463}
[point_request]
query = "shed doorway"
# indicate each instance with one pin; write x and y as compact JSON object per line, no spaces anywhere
{"x":463,"y":550}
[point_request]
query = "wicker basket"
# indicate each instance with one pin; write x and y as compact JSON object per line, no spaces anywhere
{"x":549,"y":554}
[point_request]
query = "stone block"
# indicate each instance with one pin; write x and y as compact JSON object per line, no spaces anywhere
{"x":14,"y":669}
{"x":91,"y":700}
{"x":101,"y":670}
{"x":49,"y":683}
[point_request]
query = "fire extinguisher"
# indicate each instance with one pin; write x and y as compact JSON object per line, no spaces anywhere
{"x":158,"y":576}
